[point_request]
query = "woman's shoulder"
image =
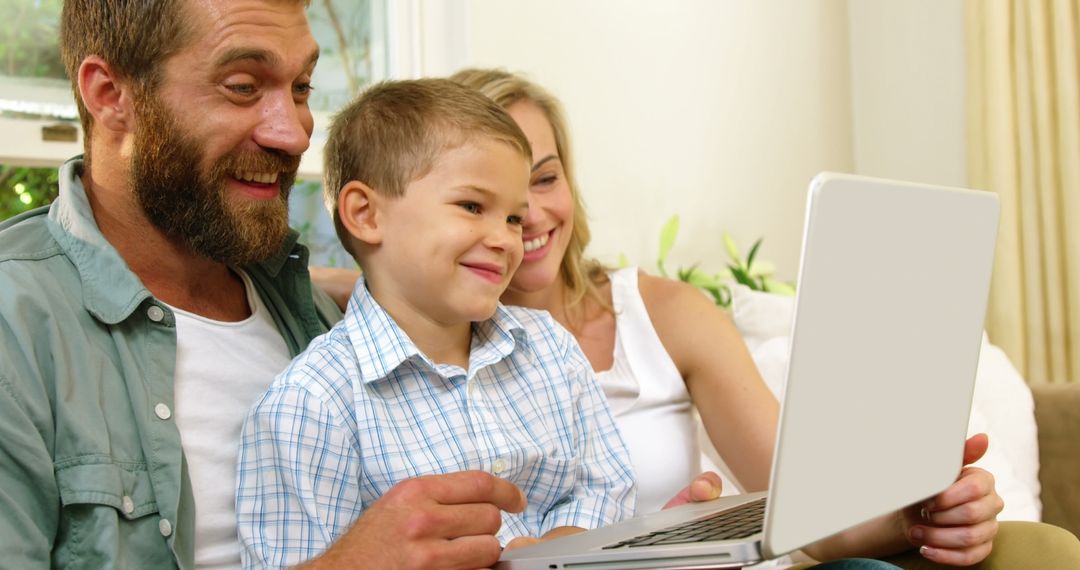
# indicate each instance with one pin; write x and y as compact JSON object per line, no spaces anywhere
{"x":664,"y":296}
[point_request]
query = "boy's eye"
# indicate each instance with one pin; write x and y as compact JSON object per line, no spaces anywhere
{"x":515,"y":220}
{"x":303,"y":89}
{"x":471,"y":207}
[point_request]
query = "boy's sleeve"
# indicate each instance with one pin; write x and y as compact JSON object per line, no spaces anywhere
{"x":296,"y":478}
{"x":606,"y":490}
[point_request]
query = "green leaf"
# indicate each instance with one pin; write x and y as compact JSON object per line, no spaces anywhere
{"x":779,"y":287}
{"x":741,"y":276}
{"x":732,"y":249}
{"x":704,"y":280}
{"x":667,"y":237}
{"x":753,"y":252}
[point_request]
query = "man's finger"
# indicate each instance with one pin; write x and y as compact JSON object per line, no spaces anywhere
{"x":468,"y":487}
{"x":454,"y":521}
{"x":467,"y":553}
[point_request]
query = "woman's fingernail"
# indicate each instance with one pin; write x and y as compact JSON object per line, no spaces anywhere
{"x":917,"y":534}
{"x":927,"y":552}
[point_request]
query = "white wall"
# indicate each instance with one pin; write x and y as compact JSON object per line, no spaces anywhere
{"x":722,"y":110}
{"x":908,"y":85}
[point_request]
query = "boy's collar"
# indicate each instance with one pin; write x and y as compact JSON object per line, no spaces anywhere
{"x":381,"y":346}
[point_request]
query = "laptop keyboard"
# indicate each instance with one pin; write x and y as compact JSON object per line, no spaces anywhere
{"x":740,"y":522}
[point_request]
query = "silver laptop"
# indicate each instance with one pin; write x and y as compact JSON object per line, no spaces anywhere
{"x":889,"y":310}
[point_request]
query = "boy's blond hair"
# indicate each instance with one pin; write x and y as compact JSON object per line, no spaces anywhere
{"x":395,"y":131}
{"x":582,"y":275}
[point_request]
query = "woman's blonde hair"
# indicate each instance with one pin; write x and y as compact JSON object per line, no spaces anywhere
{"x":581,"y":275}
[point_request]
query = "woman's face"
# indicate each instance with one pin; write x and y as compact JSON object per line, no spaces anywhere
{"x":547,"y":227}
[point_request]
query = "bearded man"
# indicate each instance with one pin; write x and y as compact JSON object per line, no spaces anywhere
{"x":147,"y":308}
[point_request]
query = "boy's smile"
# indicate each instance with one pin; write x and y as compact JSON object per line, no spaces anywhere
{"x":452,"y":242}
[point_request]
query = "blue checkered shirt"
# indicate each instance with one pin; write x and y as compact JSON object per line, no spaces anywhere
{"x":363,"y":409}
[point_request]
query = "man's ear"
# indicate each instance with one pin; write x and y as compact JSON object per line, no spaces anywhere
{"x":107,"y":97}
{"x":360,"y":209}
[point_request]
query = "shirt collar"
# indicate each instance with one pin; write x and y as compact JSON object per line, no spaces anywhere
{"x":111,"y":291}
{"x":381,"y":346}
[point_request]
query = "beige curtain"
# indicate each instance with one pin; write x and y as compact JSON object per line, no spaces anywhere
{"x":1024,"y":144}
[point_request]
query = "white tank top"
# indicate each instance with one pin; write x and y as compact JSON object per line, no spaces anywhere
{"x":221,"y":369}
{"x":649,"y":399}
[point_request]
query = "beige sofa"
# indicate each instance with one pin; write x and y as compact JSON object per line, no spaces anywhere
{"x":1057,"y":413}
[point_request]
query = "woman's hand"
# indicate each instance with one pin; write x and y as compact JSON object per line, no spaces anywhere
{"x":704,"y":487}
{"x":957,"y":526}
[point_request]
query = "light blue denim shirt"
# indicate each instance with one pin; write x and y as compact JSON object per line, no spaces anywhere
{"x":92,"y":474}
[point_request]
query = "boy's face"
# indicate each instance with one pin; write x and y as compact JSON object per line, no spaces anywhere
{"x":452,"y":242}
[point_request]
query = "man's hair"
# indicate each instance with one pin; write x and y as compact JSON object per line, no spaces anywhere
{"x":133,"y":36}
{"x":396,"y":130}
{"x":582,"y":275}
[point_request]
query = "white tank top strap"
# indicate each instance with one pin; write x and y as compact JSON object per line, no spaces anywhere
{"x":641,"y":345}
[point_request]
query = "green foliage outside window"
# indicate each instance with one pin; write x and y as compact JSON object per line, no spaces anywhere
{"x":28,"y":39}
{"x":23,"y":189}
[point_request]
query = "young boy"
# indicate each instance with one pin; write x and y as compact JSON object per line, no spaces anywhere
{"x":428,"y":373}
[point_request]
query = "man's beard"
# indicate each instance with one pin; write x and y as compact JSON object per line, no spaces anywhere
{"x":193,"y":207}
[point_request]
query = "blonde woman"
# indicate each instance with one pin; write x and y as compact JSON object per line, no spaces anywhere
{"x":660,"y":347}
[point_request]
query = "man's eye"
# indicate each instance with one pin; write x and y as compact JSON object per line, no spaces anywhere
{"x":242,"y":88}
{"x":471,"y":207}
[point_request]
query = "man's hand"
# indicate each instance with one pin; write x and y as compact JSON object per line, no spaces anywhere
{"x":957,"y":526}
{"x":704,"y":487}
{"x":445,"y":522}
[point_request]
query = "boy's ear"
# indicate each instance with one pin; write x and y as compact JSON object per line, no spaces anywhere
{"x":359,"y":212}
{"x":107,"y":97}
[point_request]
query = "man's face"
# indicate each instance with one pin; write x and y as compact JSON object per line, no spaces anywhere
{"x":217,"y":145}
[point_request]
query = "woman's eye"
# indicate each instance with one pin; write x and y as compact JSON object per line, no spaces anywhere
{"x":471,"y":207}
{"x":546,"y":180}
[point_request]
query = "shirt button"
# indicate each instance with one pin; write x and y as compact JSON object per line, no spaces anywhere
{"x":162,"y":411}
{"x":128,"y":504}
{"x":155,"y":313}
{"x":498,"y":467}
{"x":165,"y":527}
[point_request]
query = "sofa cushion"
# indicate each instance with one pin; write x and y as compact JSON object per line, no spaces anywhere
{"x":1057,"y":409}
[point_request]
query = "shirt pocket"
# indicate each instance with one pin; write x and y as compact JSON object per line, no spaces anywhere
{"x":106,"y":518}
{"x":125,"y":488}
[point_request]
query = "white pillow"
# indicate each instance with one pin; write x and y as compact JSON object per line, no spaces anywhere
{"x":1002,"y":406}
